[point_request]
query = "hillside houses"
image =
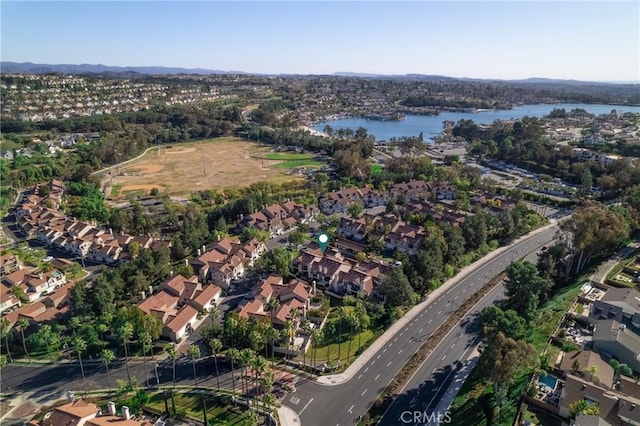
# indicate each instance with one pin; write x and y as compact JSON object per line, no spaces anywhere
{"x":177,"y":303}
{"x":226,"y":261}
{"x":294,"y":296}
{"x":277,"y":218}
{"x":39,"y":217}
{"x":396,"y":234}
{"x":340,"y":275}
{"x":406,"y":192}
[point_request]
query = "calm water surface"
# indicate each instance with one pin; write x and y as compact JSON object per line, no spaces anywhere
{"x":431,"y":125}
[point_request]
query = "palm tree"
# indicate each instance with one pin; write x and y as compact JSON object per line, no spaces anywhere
{"x":214,"y":313}
{"x":150,"y":321}
{"x":194,"y":353}
{"x":342,"y":313}
{"x":216,"y":345}
{"x":306,"y":326}
{"x":329,"y":330}
{"x":352,"y":321}
{"x":145,"y":339}
{"x":4,"y":332}
{"x":259,"y":366}
{"x":22,"y":325}
{"x":234,"y":355}
{"x":270,"y":335}
{"x":47,"y":334}
{"x":315,"y":339}
{"x":80,"y":346}
{"x":126,"y":333}
{"x":269,"y":401}
{"x":173,"y":354}
{"x":246,"y":356}
{"x":107,"y":358}
{"x":363,"y":321}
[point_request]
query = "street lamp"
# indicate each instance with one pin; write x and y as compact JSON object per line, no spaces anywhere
{"x":155,"y":367}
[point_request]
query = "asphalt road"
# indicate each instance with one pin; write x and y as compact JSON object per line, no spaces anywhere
{"x":48,"y":379}
{"x":322,"y":405}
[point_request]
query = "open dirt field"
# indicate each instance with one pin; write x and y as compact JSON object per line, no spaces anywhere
{"x":185,"y":168}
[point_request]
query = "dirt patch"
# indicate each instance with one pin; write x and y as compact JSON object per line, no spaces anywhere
{"x":178,"y":151}
{"x":214,"y":164}
{"x":145,"y":168}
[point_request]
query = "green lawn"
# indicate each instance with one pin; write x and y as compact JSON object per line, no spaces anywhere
{"x":376,"y":169}
{"x":115,"y":190}
{"x":298,"y":163}
{"x":286,"y":157}
{"x":366,"y":337}
{"x":219,"y":410}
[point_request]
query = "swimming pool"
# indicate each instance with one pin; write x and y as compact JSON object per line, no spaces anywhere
{"x":548,"y":381}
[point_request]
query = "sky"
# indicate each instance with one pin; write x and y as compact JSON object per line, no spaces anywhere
{"x":582,"y":40}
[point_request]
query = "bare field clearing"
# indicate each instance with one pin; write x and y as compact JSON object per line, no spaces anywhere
{"x":188,"y":167}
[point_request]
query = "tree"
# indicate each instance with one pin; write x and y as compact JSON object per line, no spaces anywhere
{"x":355,"y":210}
{"x":296,"y":237}
{"x":494,"y":320}
{"x":474,"y":231}
{"x":173,"y":354}
{"x":590,"y":231}
{"x":524,"y":288}
{"x":234,"y":355}
{"x":145,"y":340}
{"x":502,"y":358}
{"x":107,"y":358}
{"x":80,"y":346}
{"x":126,"y":332}
{"x":216,"y":345}
{"x":582,"y":406}
{"x":22,"y":326}
{"x":4,"y":332}
{"x":396,"y":290}
{"x":194,"y":353}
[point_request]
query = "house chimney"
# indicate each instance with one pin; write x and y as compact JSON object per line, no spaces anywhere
{"x":199,"y":250}
{"x":150,"y":290}
{"x":40,"y":275}
{"x":204,"y":249}
{"x":125,"y":412}
{"x":143,"y":295}
{"x":111,"y":408}
{"x":218,"y":237}
{"x":171,"y":273}
{"x":186,"y":262}
{"x":70,"y":396}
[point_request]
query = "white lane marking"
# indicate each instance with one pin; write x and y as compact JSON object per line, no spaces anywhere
{"x":359,"y":377}
{"x":400,"y":351}
{"x":379,"y":355}
{"x":452,"y":346}
{"x":305,"y":407}
{"x":420,"y":331}
{"x":366,"y":369}
{"x":351,"y":409}
{"x":430,"y":321}
{"x":421,"y":315}
{"x":377,"y":377}
{"x":443,"y":357}
{"x":434,"y":370}
{"x":389,"y":363}
{"x":395,"y":340}
{"x":373,"y":362}
{"x":439,"y":312}
{"x":363,"y":392}
{"x":401,"y":333}
{"x":384,"y":350}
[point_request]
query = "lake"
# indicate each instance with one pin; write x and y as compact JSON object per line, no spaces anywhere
{"x":431,"y":125}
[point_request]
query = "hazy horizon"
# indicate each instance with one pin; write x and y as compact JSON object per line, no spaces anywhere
{"x":570,"y":40}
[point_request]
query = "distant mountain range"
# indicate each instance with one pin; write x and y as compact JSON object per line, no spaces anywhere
{"x":131,"y":72}
{"x":31,"y":68}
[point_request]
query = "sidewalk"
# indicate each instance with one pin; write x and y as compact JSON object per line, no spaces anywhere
{"x":287,"y":416}
{"x":368,"y":354}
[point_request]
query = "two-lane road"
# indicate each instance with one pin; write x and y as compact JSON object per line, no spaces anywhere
{"x":322,"y":405}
